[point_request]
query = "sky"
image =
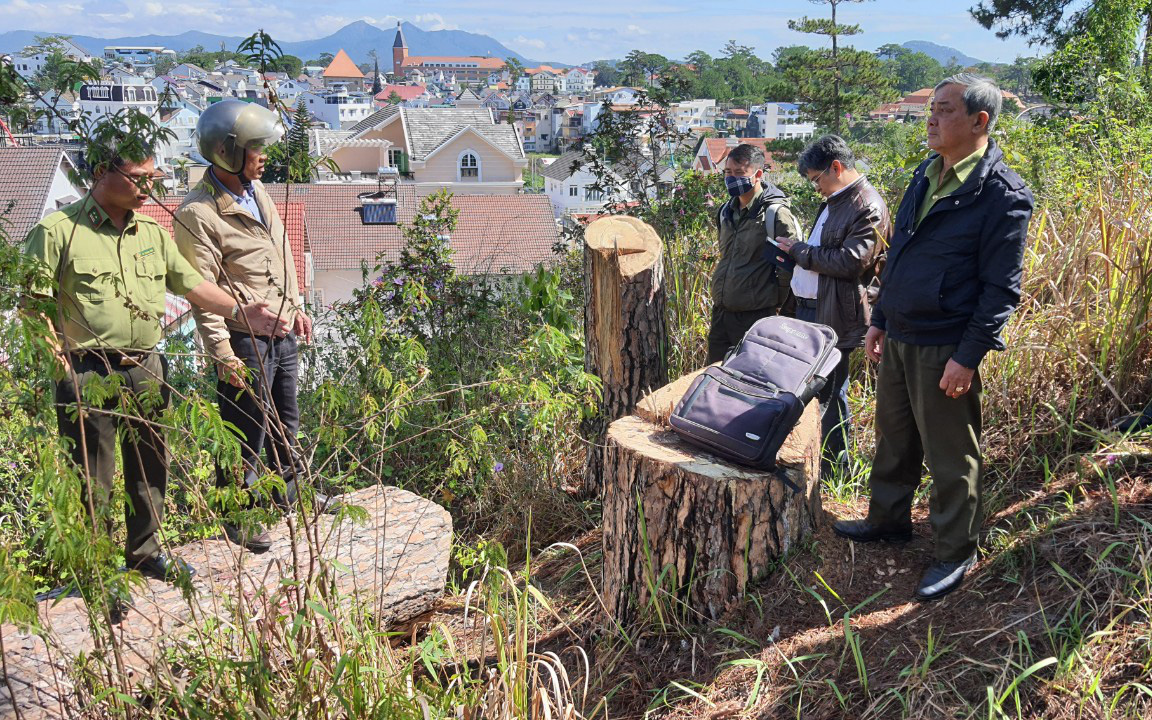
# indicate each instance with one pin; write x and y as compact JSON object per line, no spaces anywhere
{"x":574,"y":31}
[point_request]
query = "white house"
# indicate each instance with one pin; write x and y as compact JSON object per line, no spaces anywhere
{"x":570,"y":187}
{"x":543,"y":81}
{"x":29,"y":65}
{"x":578,"y":81}
{"x":181,"y":121}
{"x":290,"y":90}
{"x":136,"y":55}
{"x":689,"y":114}
{"x":50,"y":108}
{"x":101,"y":99}
{"x":121,"y":75}
{"x":337,"y":108}
{"x":780,"y":121}
{"x":34,"y":183}
{"x":188,"y":71}
{"x":621,"y":95}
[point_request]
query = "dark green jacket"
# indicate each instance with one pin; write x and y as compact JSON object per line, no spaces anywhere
{"x":745,"y":276}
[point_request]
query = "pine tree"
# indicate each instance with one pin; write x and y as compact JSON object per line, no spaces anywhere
{"x":299,"y":162}
{"x":377,"y":88}
{"x":834,"y":84}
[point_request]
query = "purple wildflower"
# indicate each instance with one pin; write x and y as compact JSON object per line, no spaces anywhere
{"x":397,"y":281}
{"x":498,"y":467}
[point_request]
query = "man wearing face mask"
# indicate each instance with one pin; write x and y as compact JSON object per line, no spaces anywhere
{"x":228,"y":227}
{"x":753,"y":276}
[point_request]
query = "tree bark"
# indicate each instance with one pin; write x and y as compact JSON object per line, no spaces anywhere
{"x":692,"y":529}
{"x":624,"y":326}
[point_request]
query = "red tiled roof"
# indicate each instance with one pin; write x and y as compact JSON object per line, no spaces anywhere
{"x":481,"y":62}
{"x":406,"y":92}
{"x":920,"y":96}
{"x":25,"y":179}
{"x":292,"y":217}
{"x":342,"y":67}
{"x":718,"y":149}
{"x":494,"y":233}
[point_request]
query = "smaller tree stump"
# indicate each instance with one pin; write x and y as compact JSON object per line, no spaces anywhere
{"x":624,"y":327}
{"x":691,"y":524}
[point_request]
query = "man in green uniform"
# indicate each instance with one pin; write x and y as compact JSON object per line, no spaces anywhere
{"x":107,"y":268}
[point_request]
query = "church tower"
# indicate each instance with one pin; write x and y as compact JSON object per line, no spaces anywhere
{"x":399,"y":54}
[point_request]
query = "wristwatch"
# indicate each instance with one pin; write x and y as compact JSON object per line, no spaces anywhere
{"x":235,"y":312}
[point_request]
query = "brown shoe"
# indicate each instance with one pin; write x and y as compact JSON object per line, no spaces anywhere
{"x":253,"y":537}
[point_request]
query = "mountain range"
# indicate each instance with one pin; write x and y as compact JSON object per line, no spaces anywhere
{"x":357,"y":39}
{"x":941,"y":53}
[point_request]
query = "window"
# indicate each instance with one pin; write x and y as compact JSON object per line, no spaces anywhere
{"x":574,"y":191}
{"x":395,"y":157}
{"x":593,"y":195}
{"x":469,"y":166}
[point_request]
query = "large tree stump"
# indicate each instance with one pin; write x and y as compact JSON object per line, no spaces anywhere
{"x":689,"y":526}
{"x":624,"y":327}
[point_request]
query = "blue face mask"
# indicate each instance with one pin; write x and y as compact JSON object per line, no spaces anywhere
{"x":738,"y":185}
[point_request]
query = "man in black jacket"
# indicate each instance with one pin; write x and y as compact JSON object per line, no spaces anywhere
{"x":834,"y":267}
{"x":751,"y":280}
{"x":951,"y":281}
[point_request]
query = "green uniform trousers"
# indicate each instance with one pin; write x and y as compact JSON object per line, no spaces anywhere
{"x":145,"y":395}
{"x":917,"y":423}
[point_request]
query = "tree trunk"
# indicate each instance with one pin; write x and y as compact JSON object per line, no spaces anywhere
{"x":692,"y":529}
{"x":624,"y":327}
{"x":835,"y":74}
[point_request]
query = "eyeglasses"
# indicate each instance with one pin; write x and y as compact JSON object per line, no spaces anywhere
{"x":816,"y":180}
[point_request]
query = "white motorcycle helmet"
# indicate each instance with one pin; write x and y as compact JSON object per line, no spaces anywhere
{"x":228,"y":128}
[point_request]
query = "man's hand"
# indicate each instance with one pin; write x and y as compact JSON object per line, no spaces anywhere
{"x":786,"y":243}
{"x":231,"y":371}
{"x":957,"y":379}
{"x":874,"y":343}
{"x":302,"y":327}
{"x":64,"y":360}
{"x":263,"y":321}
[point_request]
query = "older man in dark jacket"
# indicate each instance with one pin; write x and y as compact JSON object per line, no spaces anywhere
{"x":834,"y":268}
{"x":951,"y":281}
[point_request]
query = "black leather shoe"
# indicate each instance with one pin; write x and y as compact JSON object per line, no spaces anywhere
{"x":164,"y":567}
{"x":864,"y":531}
{"x":942,"y":578}
{"x":252,"y":537}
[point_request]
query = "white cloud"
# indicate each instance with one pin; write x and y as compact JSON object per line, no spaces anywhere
{"x":529,"y":42}
{"x":433,"y":21}
{"x":635,"y":30}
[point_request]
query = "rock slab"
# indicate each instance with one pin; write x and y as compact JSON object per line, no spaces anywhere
{"x":394,"y":566}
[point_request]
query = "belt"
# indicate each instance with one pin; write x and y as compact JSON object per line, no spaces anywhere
{"x":122,"y":358}
{"x":804,"y":302}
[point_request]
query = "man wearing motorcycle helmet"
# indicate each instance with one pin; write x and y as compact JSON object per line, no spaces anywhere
{"x":229,"y":228}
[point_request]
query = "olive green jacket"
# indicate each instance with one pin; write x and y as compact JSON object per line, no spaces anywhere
{"x":109,"y":284}
{"x":745,"y":277}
